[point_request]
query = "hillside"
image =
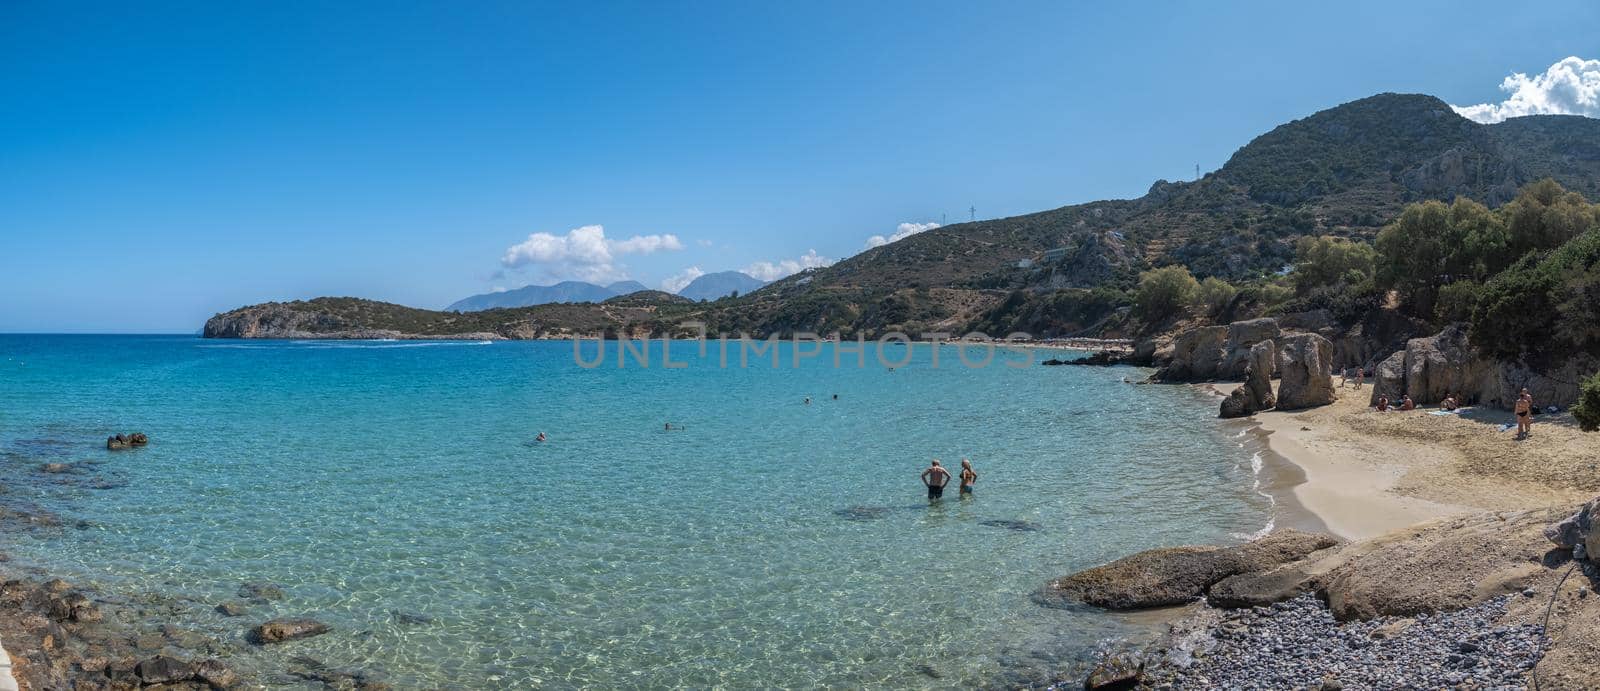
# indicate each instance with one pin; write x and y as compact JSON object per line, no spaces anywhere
{"x":1345,"y":171}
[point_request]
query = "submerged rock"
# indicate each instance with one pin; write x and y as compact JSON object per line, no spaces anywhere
{"x":1019,"y":526}
{"x":260,"y":590}
{"x":1115,"y":673}
{"x":164,"y":670}
{"x":287,"y":629}
{"x":233,"y":609}
{"x":862,"y":513}
{"x":126,"y":441}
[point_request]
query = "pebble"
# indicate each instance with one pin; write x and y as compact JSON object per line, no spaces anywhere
{"x":1297,"y":644}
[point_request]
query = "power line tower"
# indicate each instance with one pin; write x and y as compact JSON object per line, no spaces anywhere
{"x":944,"y":218}
{"x":1197,"y":171}
{"x":972,"y":213}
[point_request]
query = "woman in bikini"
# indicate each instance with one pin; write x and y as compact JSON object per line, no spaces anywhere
{"x":968,"y":476}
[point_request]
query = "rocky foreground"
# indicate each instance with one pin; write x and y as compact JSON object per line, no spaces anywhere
{"x":1457,"y":603}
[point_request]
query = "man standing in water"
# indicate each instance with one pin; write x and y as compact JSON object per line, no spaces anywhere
{"x":935,"y":477}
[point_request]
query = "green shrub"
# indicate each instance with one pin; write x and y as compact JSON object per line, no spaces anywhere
{"x":1587,"y":410}
{"x":1327,"y":260}
{"x":1456,"y":302}
{"x":1163,"y":292}
{"x":1213,"y":294}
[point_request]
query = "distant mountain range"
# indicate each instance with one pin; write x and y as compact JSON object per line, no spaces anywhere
{"x":721,"y":284}
{"x":707,"y":287}
{"x":527,"y":296}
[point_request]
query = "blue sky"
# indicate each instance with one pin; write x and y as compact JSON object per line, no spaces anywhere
{"x":160,"y":162}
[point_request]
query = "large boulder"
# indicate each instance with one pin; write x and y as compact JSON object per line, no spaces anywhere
{"x":1243,"y":336}
{"x":1256,"y":393}
{"x":1444,"y":566}
{"x":1177,"y":575}
{"x":1442,"y":364}
{"x":1305,"y":366}
{"x":1577,"y":533}
{"x":1196,"y":355}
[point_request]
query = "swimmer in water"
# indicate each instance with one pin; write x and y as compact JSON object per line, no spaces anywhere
{"x":968,"y":477}
{"x":808,"y":400}
{"x":668,"y":427}
{"x":540,"y":437}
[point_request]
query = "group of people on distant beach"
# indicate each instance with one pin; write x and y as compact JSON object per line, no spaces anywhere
{"x":1523,"y":408}
{"x":936,"y":477}
{"x":1359,"y":377}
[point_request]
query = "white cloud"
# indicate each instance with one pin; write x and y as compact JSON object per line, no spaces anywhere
{"x":678,"y":281}
{"x":704,"y":242}
{"x":903,"y":231}
{"x":584,"y":254}
{"x":1569,"y":87}
{"x":772,"y":271}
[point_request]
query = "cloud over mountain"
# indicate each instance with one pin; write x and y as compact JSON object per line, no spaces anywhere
{"x":583,"y":253}
{"x":901,"y":232}
{"x":772,"y":271}
{"x":1569,"y":87}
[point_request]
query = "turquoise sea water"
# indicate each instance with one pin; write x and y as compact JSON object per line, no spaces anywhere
{"x":768,"y":542}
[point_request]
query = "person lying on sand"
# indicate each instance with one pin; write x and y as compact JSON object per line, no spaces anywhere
{"x":935,"y":477}
{"x":1383,"y":404}
{"x":968,"y":476}
{"x":1407,"y":404}
{"x":1449,"y":403}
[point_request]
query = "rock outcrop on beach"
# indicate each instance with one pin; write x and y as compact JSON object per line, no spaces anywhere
{"x":1577,"y":533}
{"x":1431,"y":368}
{"x":1256,"y":393}
{"x":1176,"y":575}
{"x":1206,"y":353}
{"x":1305,"y":362}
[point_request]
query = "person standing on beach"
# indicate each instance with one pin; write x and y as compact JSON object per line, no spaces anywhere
{"x":968,"y":477}
{"x":935,"y":477}
{"x":1524,"y":410}
{"x":1344,"y":376}
{"x":1361,"y":376}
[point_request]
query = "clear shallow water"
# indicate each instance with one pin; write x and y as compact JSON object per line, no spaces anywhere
{"x":373,"y":477}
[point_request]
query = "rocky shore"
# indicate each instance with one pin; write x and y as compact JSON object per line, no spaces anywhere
{"x":1458,"y":603}
{"x":56,"y":634}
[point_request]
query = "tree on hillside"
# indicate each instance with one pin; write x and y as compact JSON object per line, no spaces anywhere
{"x":1163,"y":292}
{"x":1327,"y":260}
{"x":1412,"y":252}
{"x":1213,"y":294}
{"x":1545,"y":215}
{"x":1587,"y":410}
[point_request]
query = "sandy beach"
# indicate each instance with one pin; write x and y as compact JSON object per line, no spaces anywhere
{"x":1368,"y":473}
